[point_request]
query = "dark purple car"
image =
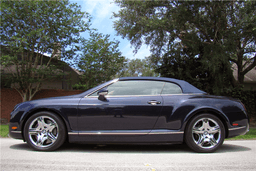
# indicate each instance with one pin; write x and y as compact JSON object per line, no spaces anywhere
{"x":131,"y":110}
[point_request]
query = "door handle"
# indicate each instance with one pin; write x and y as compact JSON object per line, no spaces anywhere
{"x":153,"y":102}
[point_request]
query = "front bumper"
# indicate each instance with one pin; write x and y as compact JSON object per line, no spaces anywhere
{"x":15,"y":133}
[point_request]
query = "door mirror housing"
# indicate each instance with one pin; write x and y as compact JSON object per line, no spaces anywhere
{"x":102,"y":93}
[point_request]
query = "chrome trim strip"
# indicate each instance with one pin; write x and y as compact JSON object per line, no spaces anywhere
{"x":182,"y":94}
{"x":127,"y":132}
{"x":18,"y":132}
{"x":72,"y":133}
{"x":167,"y":132}
{"x":115,"y":80}
{"x":107,"y":96}
{"x":91,"y":104}
{"x":109,"y":133}
{"x":231,"y":129}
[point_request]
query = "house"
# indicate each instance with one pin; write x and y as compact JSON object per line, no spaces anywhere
{"x":65,"y":82}
{"x":249,"y":78}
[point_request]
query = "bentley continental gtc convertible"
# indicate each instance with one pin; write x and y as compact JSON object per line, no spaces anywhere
{"x":141,"y":110}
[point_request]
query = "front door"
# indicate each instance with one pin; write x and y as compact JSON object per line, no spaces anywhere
{"x":129,"y":106}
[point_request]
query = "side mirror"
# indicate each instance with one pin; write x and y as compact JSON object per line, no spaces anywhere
{"x":102,"y":93}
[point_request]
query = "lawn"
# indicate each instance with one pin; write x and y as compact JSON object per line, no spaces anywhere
{"x":4,"y":131}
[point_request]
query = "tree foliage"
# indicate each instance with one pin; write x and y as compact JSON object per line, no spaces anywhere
{"x":193,"y":40}
{"x":137,"y":68}
{"x":31,"y":28}
{"x":99,"y":61}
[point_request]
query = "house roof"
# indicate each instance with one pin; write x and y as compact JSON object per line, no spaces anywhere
{"x":77,"y":71}
{"x":55,"y":61}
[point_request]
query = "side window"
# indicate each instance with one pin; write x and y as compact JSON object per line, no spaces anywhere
{"x":94,"y":94}
{"x":171,"y":88}
{"x":129,"y":88}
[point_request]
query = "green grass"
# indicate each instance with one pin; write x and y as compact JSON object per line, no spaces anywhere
{"x":4,"y":130}
{"x":248,"y":136}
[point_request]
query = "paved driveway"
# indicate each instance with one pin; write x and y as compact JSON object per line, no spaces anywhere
{"x":233,"y":155}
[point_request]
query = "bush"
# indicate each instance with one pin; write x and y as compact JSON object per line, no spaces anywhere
{"x":80,"y":86}
{"x":248,"y":98}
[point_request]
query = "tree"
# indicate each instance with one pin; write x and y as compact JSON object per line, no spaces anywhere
{"x":99,"y":61}
{"x":175,"y":65}
{"x":137,"y":68}
{"x":30,"y":29}
{"x":212,"y":34}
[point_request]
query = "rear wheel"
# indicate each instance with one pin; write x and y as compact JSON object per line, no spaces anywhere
{"x":205,"y":133}
{"x":44,"y":131}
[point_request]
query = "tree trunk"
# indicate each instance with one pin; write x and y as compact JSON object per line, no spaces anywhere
{"x":239,"y":63}
{"x":29,"y":93}
{"x":240,"y":78}
{"x":25,"y":96}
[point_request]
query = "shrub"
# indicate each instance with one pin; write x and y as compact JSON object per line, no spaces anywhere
{"x":248,"y":98}
{"x":80,"y":86}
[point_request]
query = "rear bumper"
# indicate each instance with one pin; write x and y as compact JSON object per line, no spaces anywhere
{"x":240,"y":130}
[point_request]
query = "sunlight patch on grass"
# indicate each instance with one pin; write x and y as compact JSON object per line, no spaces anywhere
{"x":4,"y":130}
{"x":249,"y":135}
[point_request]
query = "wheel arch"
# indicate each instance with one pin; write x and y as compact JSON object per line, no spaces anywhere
{"x":211,"y":111}
{"x":29,"y":114}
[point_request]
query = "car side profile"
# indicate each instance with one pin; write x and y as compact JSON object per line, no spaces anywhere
{"x":134,"y":110}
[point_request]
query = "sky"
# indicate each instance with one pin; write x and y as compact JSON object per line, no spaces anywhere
{"x":101,"y":12}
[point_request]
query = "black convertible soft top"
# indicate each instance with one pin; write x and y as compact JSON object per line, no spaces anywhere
{"x":186,"y":87}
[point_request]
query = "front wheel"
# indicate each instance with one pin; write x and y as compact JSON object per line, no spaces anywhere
{"x":205,"y":133}
{"x":44,"y":131}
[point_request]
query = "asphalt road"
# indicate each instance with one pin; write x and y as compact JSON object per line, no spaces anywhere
{"x":232,"y":156}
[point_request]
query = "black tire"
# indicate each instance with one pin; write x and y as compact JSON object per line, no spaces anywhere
{"x":45,"y":131}
{"x":205,"y":133}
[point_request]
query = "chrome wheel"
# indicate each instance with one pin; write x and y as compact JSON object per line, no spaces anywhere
{"x":206,"y":133}
{"x":43,"y":131}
